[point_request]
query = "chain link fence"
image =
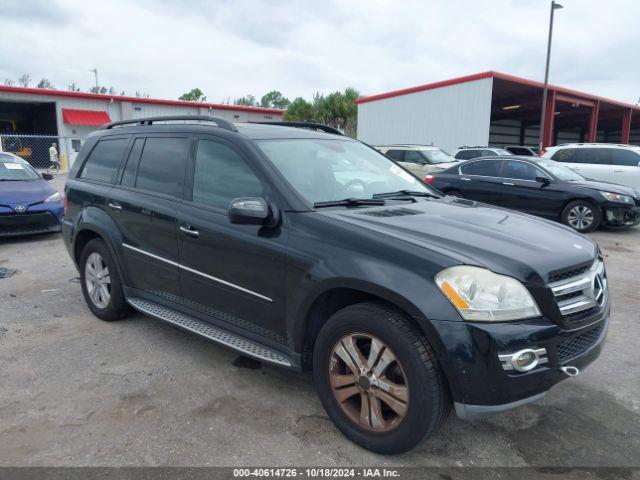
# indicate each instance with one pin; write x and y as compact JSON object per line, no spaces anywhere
{"x":41,"y":151}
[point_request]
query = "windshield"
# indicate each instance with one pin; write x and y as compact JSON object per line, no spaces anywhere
{"x":560,"y":171}
{"x":502,"y":151}
{"x":17,"y":171}
{"x":330,"y":170}
{"x":438,"y":156}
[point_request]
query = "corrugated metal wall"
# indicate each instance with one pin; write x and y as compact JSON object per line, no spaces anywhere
{"x":449,"y":117}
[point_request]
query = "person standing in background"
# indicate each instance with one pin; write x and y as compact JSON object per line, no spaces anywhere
{"x":53,"y":158}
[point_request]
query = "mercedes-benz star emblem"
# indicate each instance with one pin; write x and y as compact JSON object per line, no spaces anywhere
{"x":598,"y":290}
{"x":20,"y":209}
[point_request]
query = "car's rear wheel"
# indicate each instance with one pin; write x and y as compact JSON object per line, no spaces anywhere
{"x":378,"y":378}
{"x":101,"y":283}
{"x":582,"y":216}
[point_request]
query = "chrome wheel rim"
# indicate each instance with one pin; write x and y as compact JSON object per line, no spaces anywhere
{"x":580,"y":217}
{"x":97,"y":280}
{"x":368,"y":382}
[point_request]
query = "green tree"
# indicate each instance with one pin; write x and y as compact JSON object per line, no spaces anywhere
{"x":195,"y":95}
{"x":247,"y":101}
{"x":274,"y":99}
{"x":45,"y":83}
{"x":300,"y":111}
{"x":24,"y":80}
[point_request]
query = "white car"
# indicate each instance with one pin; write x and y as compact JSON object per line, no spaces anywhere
{"x":600,"y":161}
{"x":419,"y":159}
{"x":12,"y":158}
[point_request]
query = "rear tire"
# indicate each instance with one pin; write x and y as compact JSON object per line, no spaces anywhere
{"x":581,"y":215}
{"x":357,"y":403}
{"x":454,"y":193}
{"x":101,"y":283}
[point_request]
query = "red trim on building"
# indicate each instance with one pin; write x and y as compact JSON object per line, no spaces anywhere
{"x":626,"y":127}
{"x":85,"y":117}
{"x":496,"y":75}
{"x":593,"y":122}
{"x":120,"y":98}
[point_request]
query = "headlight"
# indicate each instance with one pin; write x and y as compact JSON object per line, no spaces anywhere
{"x":484,"y":296}
{"x":56,"y":197}
{"x":614,"y":197}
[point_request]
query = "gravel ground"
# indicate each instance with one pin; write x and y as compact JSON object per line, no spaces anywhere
{"x":75,"y":391}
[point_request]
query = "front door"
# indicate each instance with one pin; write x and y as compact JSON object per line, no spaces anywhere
{"x":235,"y":273}
{"x":522,"y":191}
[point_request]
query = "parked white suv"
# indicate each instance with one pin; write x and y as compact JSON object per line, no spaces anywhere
{"x":419,"y":159}
{"x":600,"y":161}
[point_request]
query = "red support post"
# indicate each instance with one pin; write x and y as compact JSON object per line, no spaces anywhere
{"x":626,"y":127}
{"x":547,"y":132}
{"x":593,"y":122}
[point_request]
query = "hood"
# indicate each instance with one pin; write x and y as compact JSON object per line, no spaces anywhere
{"x":24,"y":193}
{"x":606,"y":187}
{"x":472,"y":233}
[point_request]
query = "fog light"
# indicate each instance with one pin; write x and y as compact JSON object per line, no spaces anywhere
{"x":523,"y":360}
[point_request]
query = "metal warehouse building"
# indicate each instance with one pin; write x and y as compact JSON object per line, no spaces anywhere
{"x":31,"y":119}
{"x":495,"y":109}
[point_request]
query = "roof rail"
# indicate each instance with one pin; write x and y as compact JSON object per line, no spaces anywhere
{"x":220,"y":122}
{"x":311,"y":126}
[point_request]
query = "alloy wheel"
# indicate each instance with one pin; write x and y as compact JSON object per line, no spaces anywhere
{"x":97,"y":280}
{"x":580,"y":217}
{"x":368,"y":382}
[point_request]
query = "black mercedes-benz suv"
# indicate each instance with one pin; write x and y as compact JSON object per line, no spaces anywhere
{"x":313,"y":251}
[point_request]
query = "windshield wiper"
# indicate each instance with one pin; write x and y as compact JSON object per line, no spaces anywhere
{"x":410,"y":193}
{"x":349,"y":202}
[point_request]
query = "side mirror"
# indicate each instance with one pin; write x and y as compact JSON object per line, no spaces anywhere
{"x":543,"y":180}
{"x":47,"y":176}
{"x":251,"y":211}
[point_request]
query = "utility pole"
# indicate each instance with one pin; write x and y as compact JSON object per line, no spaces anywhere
{"x":95,"y":72}
{"x":554,"y":6}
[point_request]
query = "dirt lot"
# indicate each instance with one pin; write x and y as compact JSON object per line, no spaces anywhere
{"x":78,"y":391}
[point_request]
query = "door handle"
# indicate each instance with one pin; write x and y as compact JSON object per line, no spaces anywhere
{"x":465,"y":179}
{"x":508,"y":183}
{"x":189,"y":231}
{"x":114,"y":206}
{"x":619,"y":170}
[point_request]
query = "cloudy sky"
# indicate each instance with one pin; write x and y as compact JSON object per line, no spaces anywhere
{"x":229,"y":48}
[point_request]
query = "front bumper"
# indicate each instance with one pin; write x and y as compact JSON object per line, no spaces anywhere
{"x":478,"y":382}
{"x":33,"y":221}
{"x":625,"y":216}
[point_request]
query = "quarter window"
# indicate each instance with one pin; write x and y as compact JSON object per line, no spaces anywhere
{"x":104,"y":160}
{"x":485,"y":168}
{"x":221,"y":175}
{"x":162,"y":164}
{"x":395,"y":154}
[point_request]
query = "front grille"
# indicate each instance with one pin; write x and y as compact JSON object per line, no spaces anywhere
{"x":576,"y":346}
{"x":581,"y":289}
{"x":560,"y":275}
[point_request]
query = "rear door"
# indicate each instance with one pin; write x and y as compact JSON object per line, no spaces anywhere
{"x":144,"y":205}
{"x":481,"y":180}
{"x":625,"y":168}
{"x":235,"y":273}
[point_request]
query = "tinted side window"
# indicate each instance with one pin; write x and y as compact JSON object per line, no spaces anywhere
{"x":521,"y":171}
{"x":222,"y":175}
{"x":162,"y":165}
{"x":625,"y":157}
{"x":598,"y":156}
{"x":566,"y":155}
{"x":130,"y":170}
{"x":104,"y":160}
{"x":487,"y":168}
{"x":411,"y":156}
{"x":467,"y":154}
{"x":395,"y":154}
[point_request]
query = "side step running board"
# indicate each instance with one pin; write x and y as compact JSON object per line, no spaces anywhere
{"x":212,"y":333}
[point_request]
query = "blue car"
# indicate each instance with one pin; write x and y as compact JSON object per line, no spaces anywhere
{"x":28,"y":204}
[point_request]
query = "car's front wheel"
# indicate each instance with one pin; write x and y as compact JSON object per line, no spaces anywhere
{"x":101,"y":283}
{"x":378,"y":378}
{"x":582,"y":216}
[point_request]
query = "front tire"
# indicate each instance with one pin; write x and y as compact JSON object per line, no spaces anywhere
{"x":581,"y":215}
{"x":101,"y":283}
{"x":378,"y":378}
